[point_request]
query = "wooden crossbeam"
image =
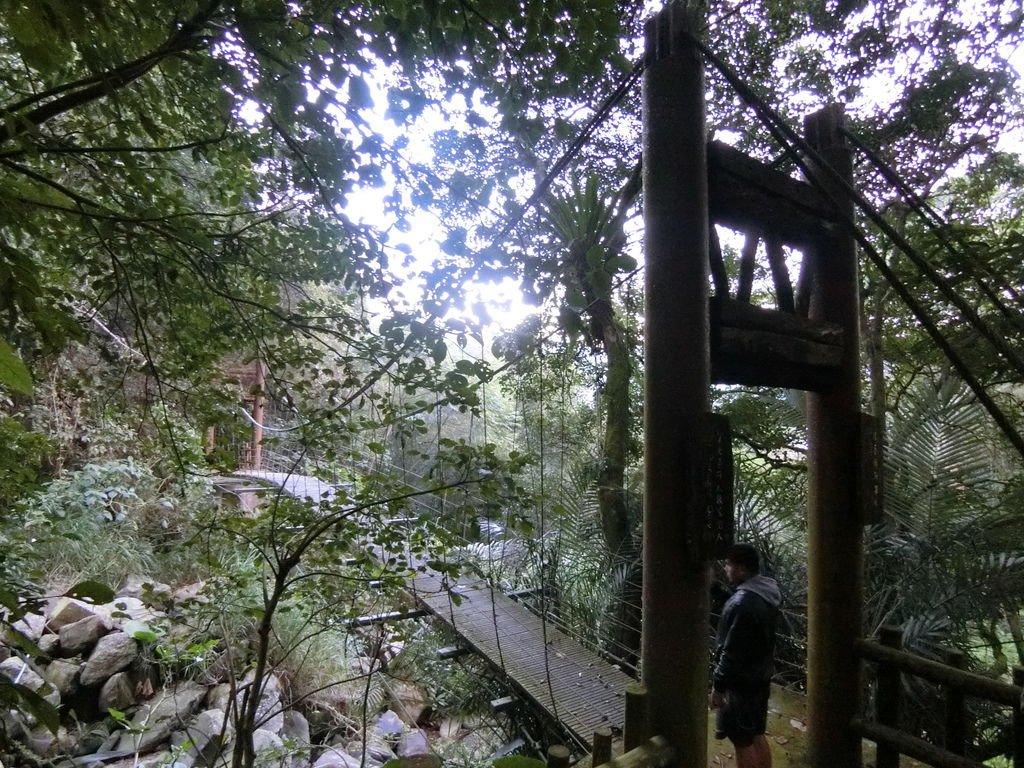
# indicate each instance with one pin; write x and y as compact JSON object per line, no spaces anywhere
{"x":503,"y":704}
{"x":383,"y":618}
{"x":746,"y":194}
{"x":762,"y":347}
{"x":451,"y":652}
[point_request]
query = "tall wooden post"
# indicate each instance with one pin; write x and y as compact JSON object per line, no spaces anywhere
{"x":834,"y":516}
{"x":256,"y":452}
{"x":677,"y":381}
{"x":888,"y":693}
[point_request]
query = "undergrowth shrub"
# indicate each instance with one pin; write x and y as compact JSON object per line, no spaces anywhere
{"x":105,"y":521}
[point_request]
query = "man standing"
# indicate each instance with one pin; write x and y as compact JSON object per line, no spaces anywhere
{"x":743,"y":658}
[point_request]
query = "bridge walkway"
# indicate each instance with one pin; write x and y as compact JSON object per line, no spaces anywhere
{"x":572,"y":684}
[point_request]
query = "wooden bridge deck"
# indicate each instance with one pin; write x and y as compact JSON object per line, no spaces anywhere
{"x":572,"y":684}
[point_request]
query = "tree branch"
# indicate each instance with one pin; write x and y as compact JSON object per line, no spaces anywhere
{"x":92,"y":88}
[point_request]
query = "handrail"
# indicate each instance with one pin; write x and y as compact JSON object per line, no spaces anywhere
{"x":936,"y":672}
{"x":656,"y":752}
{"x":641,"y":751}
{"x":884,"y":730}
{"x":911,"y":746}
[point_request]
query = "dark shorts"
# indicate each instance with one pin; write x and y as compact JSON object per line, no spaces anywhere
{"x":744,"y":716}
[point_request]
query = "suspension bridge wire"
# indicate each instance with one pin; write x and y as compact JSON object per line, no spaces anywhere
{"x":794,"y":145}
{"x":448,"y":588}
{"x":940,"y":227}
{"x":600,"y":115}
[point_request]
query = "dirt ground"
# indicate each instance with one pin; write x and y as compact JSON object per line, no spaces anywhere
{"x":786,"y":733}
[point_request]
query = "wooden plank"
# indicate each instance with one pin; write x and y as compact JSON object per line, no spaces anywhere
{"x":748,"y":195}
{"x":383,"y":618}
{"x":739,"y":314}
{"x":762,"y":347}
{"x":451,"y":652}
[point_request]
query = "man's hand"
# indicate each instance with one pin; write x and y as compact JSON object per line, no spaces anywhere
{"x":716,"y":700}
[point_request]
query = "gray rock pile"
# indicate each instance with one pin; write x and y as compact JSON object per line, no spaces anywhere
{"x":116,"y":712}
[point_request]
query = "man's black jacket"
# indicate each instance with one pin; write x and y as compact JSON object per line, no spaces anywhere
{"x":746,"y":635}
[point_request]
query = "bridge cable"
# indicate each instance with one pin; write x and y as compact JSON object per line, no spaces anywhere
{"x":793,"y":144}
{"x":938,"y":224}
{"x":599,"y":116}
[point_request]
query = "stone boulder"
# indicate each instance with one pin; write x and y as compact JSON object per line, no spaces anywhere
{"x":333,"y":757}
{"x":17,"y":671}
{"x":413,"y":743}
{"x":117,"y":693}
{"x":410,"y":701}
{"x":191,"y":593}
{"x":124,"y":609}
{"x":67,"y":610}
{"x":295,"y":728}
{"x":267,"y":746}
{"x":377,"y":750}
{"x":389,"y":724}
{"x":113,"y":653}
{"x":152,"y":593}
{"x":206,"y":738}
{"x":31,"y":625}
{"x":161,"y":759}
{"x":269,"y":714}
{"x":169,"y":710}
{"x":63,"y":676}
{"x":45,"y":743}
{"x":79,"y":636}
{"x":49,"y":645}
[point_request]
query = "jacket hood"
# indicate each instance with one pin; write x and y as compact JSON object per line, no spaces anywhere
{"x":765,"y":587}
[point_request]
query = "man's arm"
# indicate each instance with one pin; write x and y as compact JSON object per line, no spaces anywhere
{"x":728,"y":667}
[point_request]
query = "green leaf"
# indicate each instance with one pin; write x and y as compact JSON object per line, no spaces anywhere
{"x":141,"y":631}
{"x":595,"y":256}
{"x":91,"y":591}
{"x":19,"y":697}
{"x":621,"y":264}
{"x":15,"y":638}
{"x":13,"y":373}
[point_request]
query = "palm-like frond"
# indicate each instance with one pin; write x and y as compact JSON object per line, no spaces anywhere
{"x":582,"y":216}
{"x":939,"y":458}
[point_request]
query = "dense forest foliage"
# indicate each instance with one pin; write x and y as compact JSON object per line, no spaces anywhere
{"x":212,"y":205}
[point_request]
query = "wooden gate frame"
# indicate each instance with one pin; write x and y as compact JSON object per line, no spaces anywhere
{"x":685,"y":346}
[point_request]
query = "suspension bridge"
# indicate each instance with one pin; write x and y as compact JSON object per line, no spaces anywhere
{"x":695,"y":338}
{"x":572,"y":684}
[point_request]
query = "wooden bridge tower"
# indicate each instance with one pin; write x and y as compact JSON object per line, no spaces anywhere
{"x":693,"y":340}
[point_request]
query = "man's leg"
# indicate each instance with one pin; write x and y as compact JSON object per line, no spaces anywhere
{"x":764,"y":752}
{"x":748,"y":756}
{"x":756,"y":754}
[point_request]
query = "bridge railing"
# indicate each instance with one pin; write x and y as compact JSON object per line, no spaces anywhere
{"x":640,"y":749}
{"x":957,"y":683}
